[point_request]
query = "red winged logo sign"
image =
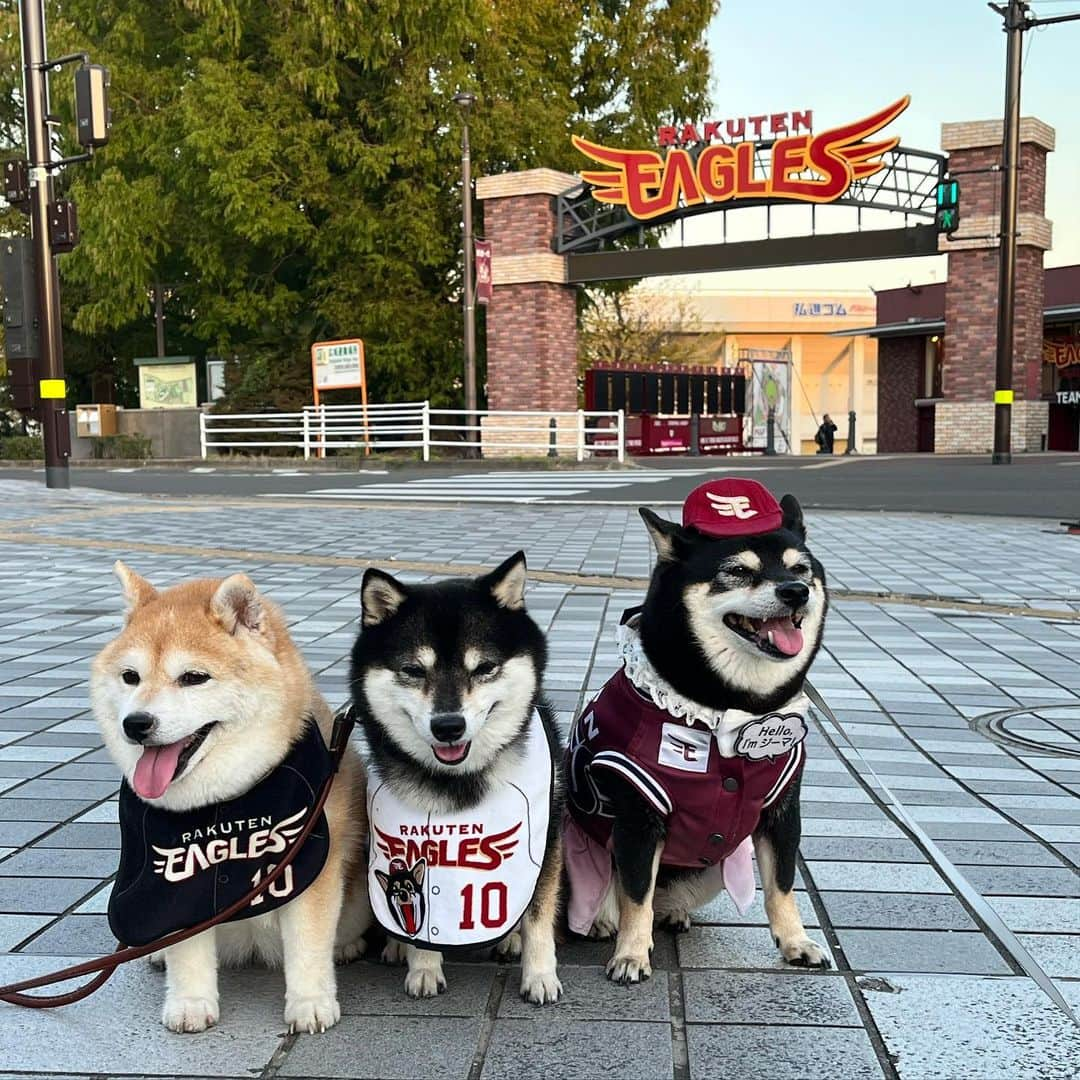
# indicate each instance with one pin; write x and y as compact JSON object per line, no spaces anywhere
{"x":803,"y":168}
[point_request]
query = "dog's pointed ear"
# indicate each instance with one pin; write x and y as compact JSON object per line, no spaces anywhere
{"x":793,"y":519}
{"x":237,"y":605}
{"x":383,"y":880}
{"x":668,"y":537}
{"x":507,"y":582}
{"x":137,"y":590}
{"x":419,"y":870}
{"x":380,"y":596}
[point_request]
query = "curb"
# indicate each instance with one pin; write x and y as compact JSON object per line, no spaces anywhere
{"x":328,"y":465}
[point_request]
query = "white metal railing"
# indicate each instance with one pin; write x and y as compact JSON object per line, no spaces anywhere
{"x":416,"y":425}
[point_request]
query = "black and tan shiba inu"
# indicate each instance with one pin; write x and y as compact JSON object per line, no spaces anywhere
{"x":208,"y":709}
{"x":693,"y":752}
{"x":464,"y":792}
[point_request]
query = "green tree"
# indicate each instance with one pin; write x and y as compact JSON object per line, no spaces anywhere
{"x":290,"y":168}
{"x":630,"y":327}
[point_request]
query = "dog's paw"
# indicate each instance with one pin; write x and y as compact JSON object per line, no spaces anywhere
{"x":189,"y":1014}
{"x":803,"y":952}
{"x":541,"y":987}
{"x":393,"y":953}
{"x":602,"y":930}
{"x":626,"y":970}
{"x":425,"y":982}
{"x":350,"y":951}
{"x":156,"y":960}
{"x":510,"y":946}
{"x":312,"y":1014}
{"x":678,"y":921}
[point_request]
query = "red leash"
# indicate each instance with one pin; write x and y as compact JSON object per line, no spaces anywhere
{"x":104,"y":967}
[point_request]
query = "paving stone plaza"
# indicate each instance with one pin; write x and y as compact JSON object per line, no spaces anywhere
{"x":938,"y":625}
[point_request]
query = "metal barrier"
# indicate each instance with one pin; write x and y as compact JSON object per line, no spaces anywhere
{"x":417,"y":426}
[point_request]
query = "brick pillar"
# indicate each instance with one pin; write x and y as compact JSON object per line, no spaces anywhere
{"x":532,"y":317}
{"x":964,"y":421}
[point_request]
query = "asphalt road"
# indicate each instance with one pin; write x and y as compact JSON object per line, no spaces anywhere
{"x":1045,"y":486}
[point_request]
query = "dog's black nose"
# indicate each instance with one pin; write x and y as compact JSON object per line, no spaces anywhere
{"x":448,"y":727}
{"x":793,"y":593}
{"x":138,"y":725}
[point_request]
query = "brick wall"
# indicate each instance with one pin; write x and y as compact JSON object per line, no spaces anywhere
{"x":532,"y":347}
{"x":900,"y":362}
{"x":521,"y":224}
{"x":531,"y":325}
{"x":967,"y":427}
{"x":971,"y":324}
{"x":971,"y":292}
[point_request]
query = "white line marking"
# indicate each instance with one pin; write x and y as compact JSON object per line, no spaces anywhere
{"x":376,"y":496}
{"x":829,"y":464}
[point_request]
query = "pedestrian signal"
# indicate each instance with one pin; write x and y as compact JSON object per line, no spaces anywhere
{"x":947,"y":216}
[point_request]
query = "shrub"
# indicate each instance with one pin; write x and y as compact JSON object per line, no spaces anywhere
{"x":126,"y":447}
{"x":21,"y":448}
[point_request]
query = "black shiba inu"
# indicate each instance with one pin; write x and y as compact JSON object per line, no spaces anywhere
{"x":696,"y":747}
{"x":465,"y":772}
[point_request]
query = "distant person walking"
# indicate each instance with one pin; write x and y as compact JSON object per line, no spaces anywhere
{"x":825,"y":435}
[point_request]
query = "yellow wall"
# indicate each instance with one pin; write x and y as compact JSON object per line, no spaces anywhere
{"x":829,"y":374}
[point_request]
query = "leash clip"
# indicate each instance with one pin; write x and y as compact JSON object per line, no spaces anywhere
{"x":344,"y":722}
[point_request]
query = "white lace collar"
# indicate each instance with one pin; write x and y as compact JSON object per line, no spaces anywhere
{"x":655,"y":687}
{"x":723,"y":723}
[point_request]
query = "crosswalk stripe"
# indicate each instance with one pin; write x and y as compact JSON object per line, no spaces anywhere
{"x":518,"y":486}
{"x":372,"y":494}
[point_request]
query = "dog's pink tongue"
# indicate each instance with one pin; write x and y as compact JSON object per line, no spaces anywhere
{"x":156,"y":768}
{"x":450,"y":754}
{"x":786,"y":636}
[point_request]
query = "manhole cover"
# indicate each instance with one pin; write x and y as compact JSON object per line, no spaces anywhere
{"x":1042,"y":729}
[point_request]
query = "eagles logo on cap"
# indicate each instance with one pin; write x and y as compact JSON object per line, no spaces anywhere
{"x":732,"y":506}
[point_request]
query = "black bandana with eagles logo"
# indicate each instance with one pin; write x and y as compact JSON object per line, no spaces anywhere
{"x":179,"y":869}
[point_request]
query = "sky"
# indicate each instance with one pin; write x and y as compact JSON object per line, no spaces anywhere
{"x":845,"y":61}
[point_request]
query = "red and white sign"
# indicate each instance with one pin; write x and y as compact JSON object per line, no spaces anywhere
{"x":801,"y":167}
{"x":483,"y":272}
{"x":762,"y":126}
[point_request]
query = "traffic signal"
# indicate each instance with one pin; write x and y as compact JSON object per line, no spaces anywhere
{"x":93,"y":118}
{"x":947,"y":216}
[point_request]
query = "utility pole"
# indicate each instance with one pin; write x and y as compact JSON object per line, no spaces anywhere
{"x":53,"y":392}
{"x":1015,"y":16}
{"x":1017,"y":20}
{"x":465,"y":102}
{"x":159,"y":318}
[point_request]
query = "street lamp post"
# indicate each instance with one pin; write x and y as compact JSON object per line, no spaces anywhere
{"x":51,"y":387}
{"x":465,"y":102}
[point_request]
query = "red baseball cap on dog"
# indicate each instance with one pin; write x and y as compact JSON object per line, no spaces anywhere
{"x":732,"y":506}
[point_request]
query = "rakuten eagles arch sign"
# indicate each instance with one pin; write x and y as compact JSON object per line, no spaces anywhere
{"x":787,"y":163}
{"x":774,"y":159}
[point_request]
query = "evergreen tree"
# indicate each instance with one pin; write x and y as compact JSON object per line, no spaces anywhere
{"x":290,"y":169}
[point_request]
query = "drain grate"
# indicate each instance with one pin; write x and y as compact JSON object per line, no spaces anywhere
{"x":1060,"y":724}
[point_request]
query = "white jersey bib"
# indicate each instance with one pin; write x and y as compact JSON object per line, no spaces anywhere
{"x":462,"y":878}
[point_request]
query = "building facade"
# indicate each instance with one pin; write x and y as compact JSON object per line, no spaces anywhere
{"x":917,"y":353}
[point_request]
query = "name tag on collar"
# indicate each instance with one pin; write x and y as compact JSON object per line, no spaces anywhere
{"x":770,"y":736}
